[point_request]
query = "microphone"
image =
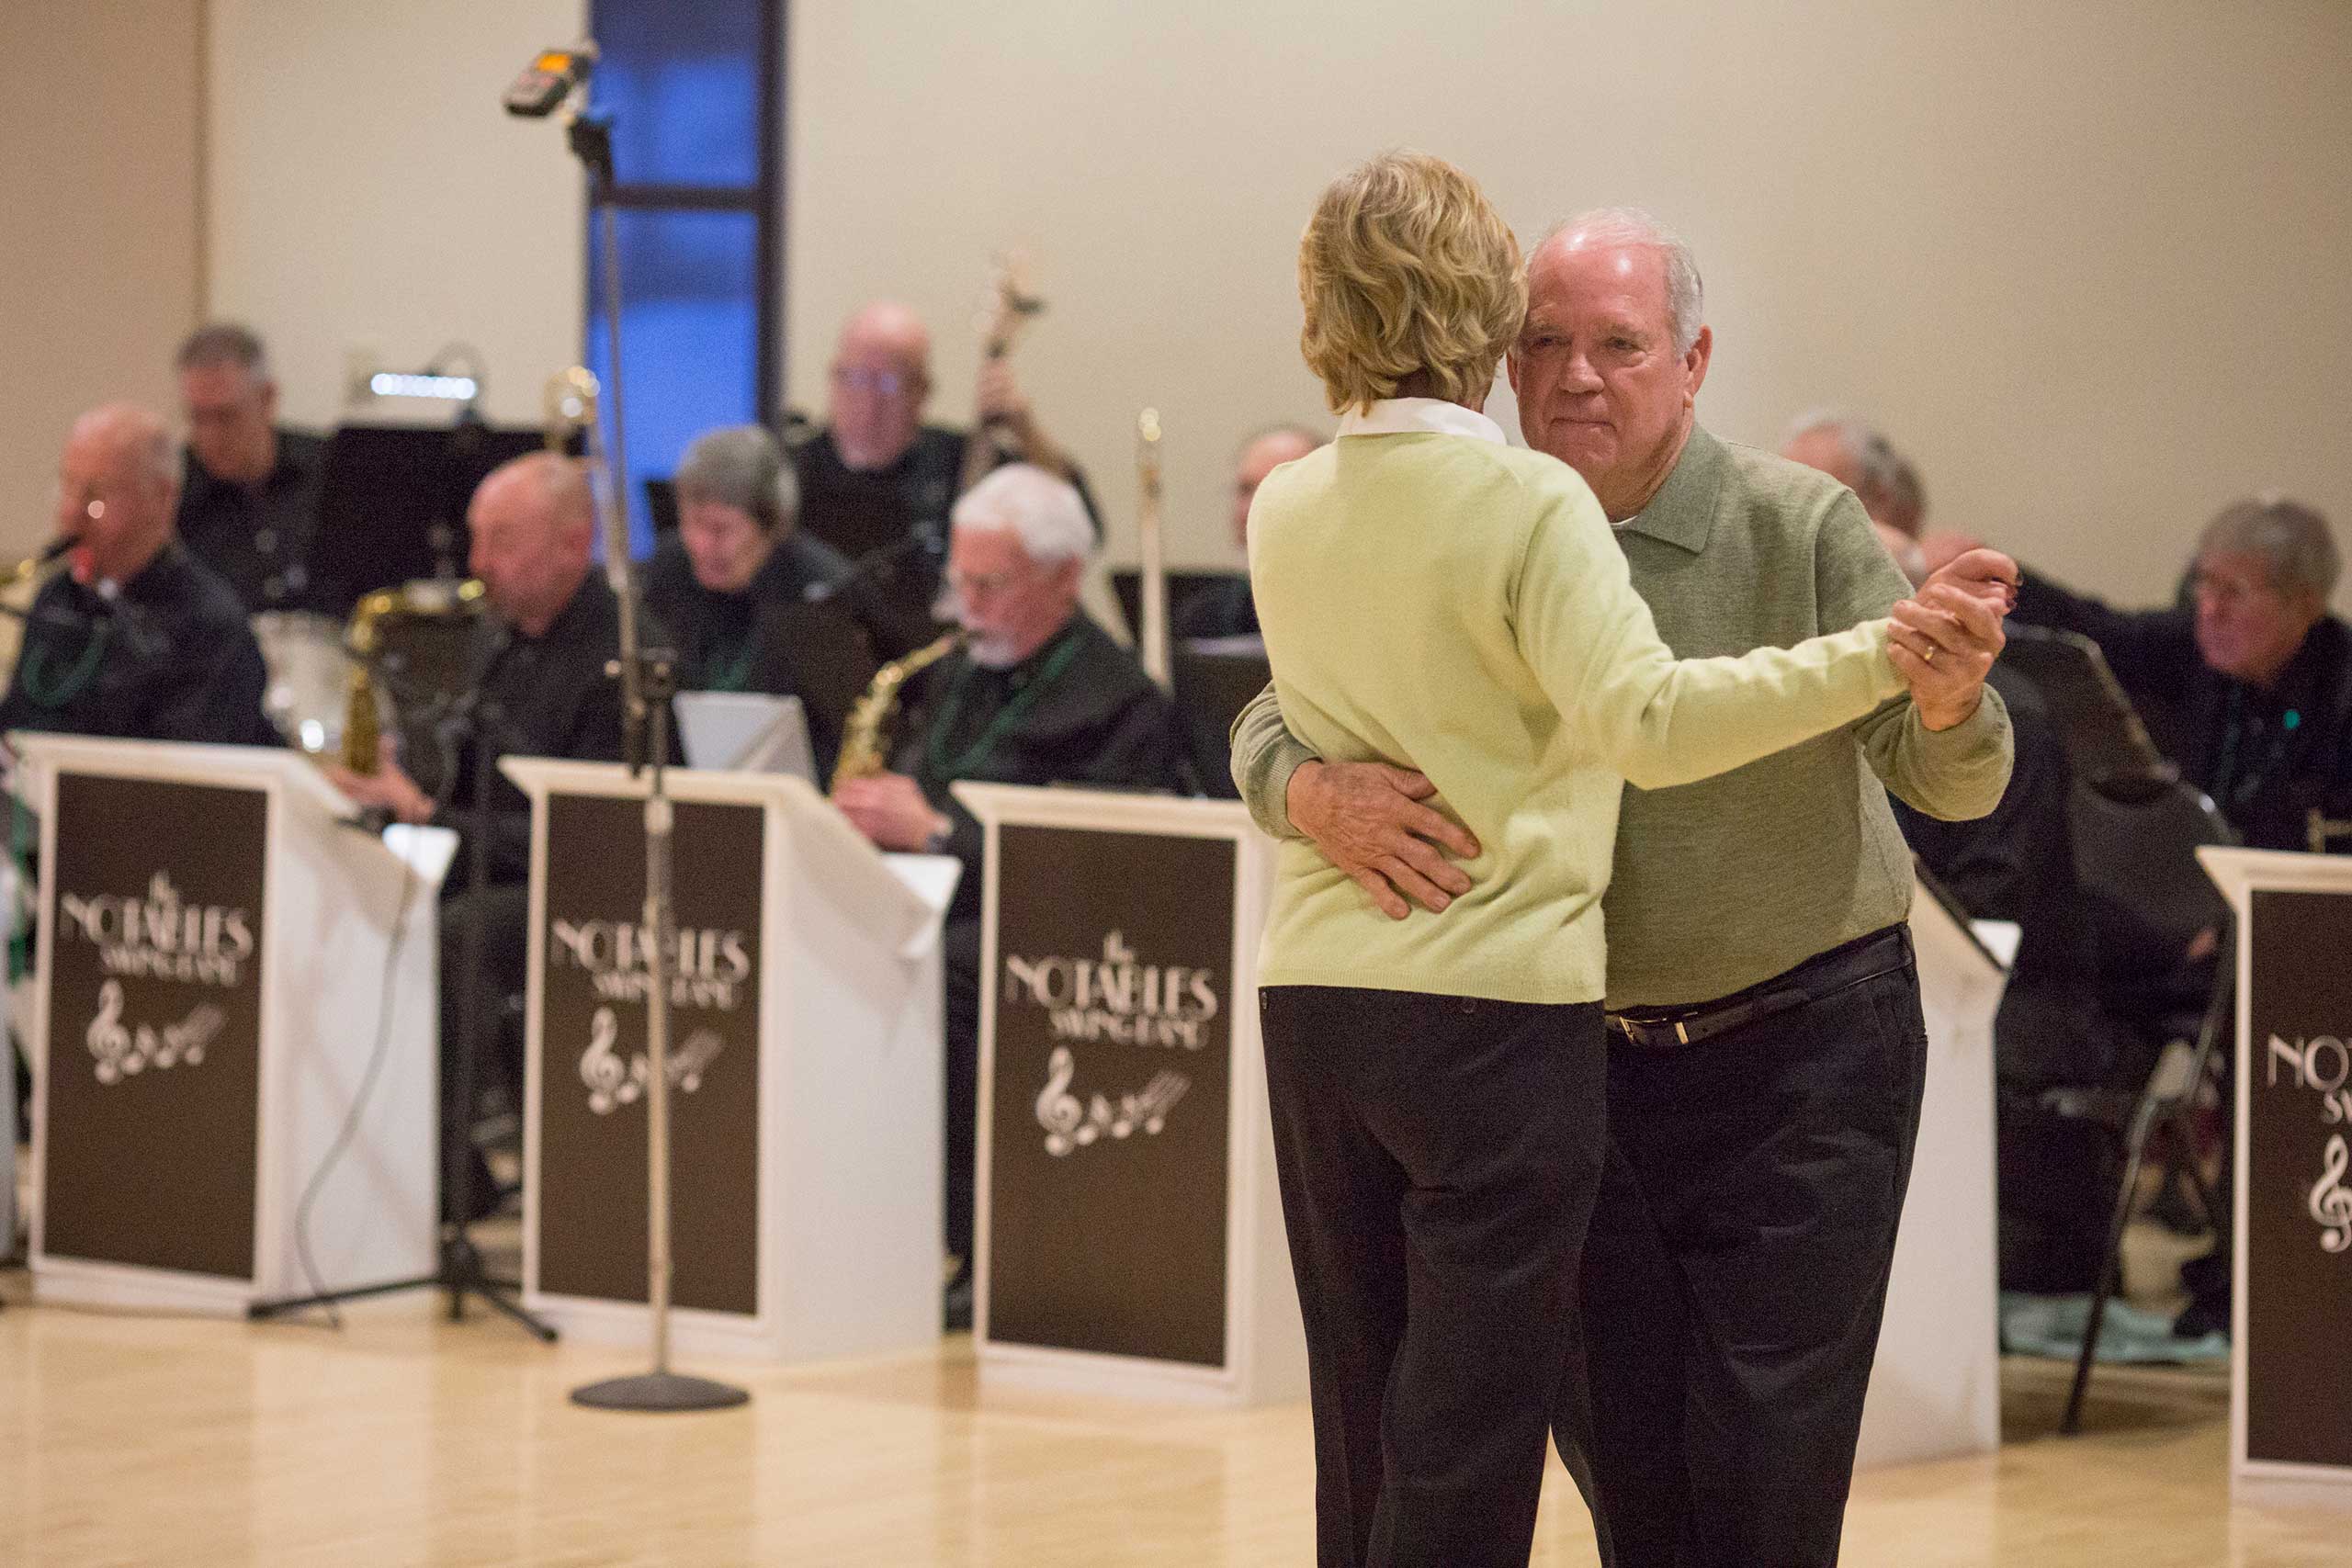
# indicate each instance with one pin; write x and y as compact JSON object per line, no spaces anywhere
{"x":553,"y":76}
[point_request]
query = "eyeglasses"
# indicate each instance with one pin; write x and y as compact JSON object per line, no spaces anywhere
{"x":856,"y":378}
{"x":970,"y":586}
{"x":86,"y":502}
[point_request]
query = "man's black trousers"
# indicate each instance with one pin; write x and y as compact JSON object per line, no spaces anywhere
{"x":1734,"y":1276}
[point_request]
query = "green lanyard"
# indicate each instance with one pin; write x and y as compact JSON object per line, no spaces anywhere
{"x":74,"y":681}
{"x":733,"y":674}
{"x":943,"y":767}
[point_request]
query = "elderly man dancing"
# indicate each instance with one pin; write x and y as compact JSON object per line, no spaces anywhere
{"x":1766,"y":1048}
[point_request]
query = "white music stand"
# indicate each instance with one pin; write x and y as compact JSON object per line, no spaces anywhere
{"x":330,"y":896}
{"x":843,"y":1211}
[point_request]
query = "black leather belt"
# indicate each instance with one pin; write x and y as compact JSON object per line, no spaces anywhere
{"x":1850,"y":964}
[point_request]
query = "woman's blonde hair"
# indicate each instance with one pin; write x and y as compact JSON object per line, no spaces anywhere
{"x":1405,"y":267}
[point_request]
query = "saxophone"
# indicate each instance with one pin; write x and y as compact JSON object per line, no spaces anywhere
{"x":363,"y":702}
{"x":866,"y":737}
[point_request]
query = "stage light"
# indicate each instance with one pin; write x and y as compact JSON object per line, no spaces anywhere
{"x":449,"y":389}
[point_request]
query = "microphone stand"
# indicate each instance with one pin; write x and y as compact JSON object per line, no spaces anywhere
{"x":647,"y":679}
{"x":462,"y":1271}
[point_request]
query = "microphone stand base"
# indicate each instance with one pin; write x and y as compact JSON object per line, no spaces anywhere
{"x":659,"y":1391}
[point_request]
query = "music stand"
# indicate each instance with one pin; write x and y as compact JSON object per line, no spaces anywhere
{"x":1126,"y":586}
{"x":662,"y":506}
{"x":1214,"y":679}
{"x":2104,"y":737}
{"x":392,"y":501}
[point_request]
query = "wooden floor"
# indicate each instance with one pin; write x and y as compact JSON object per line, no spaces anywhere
{"x":403,"y":1439}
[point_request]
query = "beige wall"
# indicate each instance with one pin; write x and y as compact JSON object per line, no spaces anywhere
{"x":2092,"y":263}
{"x":99,"y":273}
{"x":368,"y":192}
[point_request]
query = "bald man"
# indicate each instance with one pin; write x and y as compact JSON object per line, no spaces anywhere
{"x":544,"y":692}
{"x":877,"y":483}
{"x":136,"y":639}
{"x":1229,"y":610}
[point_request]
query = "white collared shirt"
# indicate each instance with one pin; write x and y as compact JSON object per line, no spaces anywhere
{"x":1420,"y":416}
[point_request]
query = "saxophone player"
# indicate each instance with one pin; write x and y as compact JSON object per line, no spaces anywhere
{"x":1038,"y":694}
{"x":539,"y":688}
{"x":137,"y":639}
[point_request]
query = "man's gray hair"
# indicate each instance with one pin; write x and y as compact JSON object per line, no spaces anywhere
{"x":1686,"y":292}
{"x":1044,"y":510}
{"x":2294,"y":542}
{"x":744,"y":467}
{"x":223,"y":343}
{"x":1879,"y":468}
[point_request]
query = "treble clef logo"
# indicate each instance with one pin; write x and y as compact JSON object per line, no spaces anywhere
{"x":1059,"y":1112}
{"x":2332,"y":1200}
{"x":108,"y":1040}
{"x":600,"y":1069}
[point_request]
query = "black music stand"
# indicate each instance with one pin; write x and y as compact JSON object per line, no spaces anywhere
{"x":392,"y":502}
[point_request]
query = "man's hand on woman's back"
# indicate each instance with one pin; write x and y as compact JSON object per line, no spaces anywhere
{"x":1374,"y":822}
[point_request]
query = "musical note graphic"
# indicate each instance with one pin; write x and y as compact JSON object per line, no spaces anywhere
{"x":1070,"y":1124}
{"x":687,"y":1066}
{"x":607,"y":1078}
{"x":612,"y":1084}
{"x":2332,"y":1200}
{"x":122,"y":1051}
{"x":108,"y":1040}
{"x":1058,"y":1111}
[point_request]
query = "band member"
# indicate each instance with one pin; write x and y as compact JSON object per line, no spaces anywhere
{"x":876,"y":481}
{"x":1227,"y":609}
{"x":747,"y":599}
{"x":1039,"y":694}
{"x":541,"y":689}
{"x":136,"y":639}
{"x":249,"y":504}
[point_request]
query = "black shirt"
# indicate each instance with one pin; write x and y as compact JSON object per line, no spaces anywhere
{"x":2267,"y":755}
{"x":169,"y":659}
{"x":892,"y":522}
{"x":542,"y":696}
{"x":789,"y":632}
{"x":1079,"y":710}
{"x":1219,"y":610}
{"x":262,"y":540}
{"x":2017,"y":863}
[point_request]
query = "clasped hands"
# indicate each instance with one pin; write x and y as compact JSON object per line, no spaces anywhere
{"x":1380,"y":825}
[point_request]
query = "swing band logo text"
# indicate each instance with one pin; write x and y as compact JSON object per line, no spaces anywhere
{"x":1116,"y":999}
{"x":707,"y":968}
{"x":2322,"y":1065}
{"x":160,"y":936}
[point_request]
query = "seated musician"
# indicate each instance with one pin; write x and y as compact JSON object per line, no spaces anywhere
{"x":876,"y":481}
{"x":2063,"y":1021}
{"x":249,"y":505}
{"x":2249,"y":689}
{"x":540,"y":689}
{"x":137,"y":639}
{"x":1040,"y":694}
{"x":748,"y":600}
{"x":1227,"y":609}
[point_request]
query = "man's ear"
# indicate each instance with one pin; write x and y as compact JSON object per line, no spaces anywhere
{"x":1694,"y":363}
